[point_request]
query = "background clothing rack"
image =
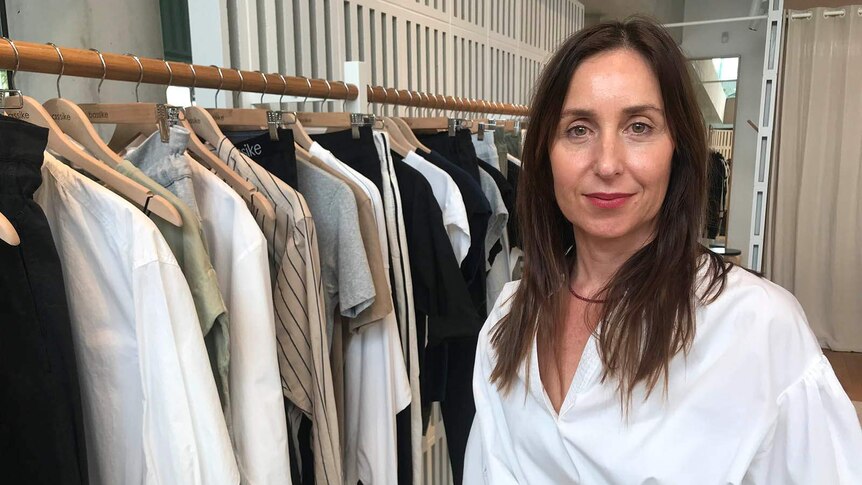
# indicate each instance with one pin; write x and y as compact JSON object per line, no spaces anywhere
{"x":43,"y":58}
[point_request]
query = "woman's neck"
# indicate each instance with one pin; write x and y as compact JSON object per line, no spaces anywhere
{"x":599,"y":259}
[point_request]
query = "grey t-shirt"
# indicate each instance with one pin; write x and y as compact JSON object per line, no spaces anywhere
{"x":347,"y":279}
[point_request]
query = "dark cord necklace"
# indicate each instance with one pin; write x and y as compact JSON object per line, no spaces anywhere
{"x":588,"y":300}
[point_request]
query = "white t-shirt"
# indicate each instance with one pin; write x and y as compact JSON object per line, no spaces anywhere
{"x":450,"y":201}
{"x":753,"y":402}
{"x":486,"y":149}
{"x":376,"y":385}
{"x":151,"y":411}
{"x":237,"y":249}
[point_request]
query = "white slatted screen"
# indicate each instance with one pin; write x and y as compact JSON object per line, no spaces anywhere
{"x":480,"y":49}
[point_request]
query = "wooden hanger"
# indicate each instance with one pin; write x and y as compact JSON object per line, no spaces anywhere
{"x":329,"y":120}
{"x":408,"y":134}
{"x":396,"y":140}
{"x":60,"y":143}
{"x":199,"y":121}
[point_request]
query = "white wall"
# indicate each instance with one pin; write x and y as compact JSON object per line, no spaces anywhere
{"x":705,"y":41}
{"x":117,"y":26}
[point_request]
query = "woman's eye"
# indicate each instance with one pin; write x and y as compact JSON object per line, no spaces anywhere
{"x":578,"y":130}
{"x":640,"y":128}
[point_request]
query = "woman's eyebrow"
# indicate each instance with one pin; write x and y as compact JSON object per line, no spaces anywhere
{"x":633,"y":110}
{"x":629,"y":111}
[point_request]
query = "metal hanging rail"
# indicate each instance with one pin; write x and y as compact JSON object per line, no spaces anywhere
{"x":43,"y":58}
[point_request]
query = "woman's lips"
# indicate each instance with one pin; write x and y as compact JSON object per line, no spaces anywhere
{"x":605,"y":200}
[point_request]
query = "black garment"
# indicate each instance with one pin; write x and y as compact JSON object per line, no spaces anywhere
{"x":359,"y":154}
{"x":717,"y":179}
{"x":478,"y":214}
{"x":513,"y":175}
{"x":277,"y":157}
{"x":41,"y":423}
{"x":457,"y":149}
{"x":439,"y":289}
{"x":448,"y":368}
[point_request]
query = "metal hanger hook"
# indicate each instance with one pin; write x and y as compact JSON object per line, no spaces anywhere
{"x":140,"y":75}
{"x":283,"y":89}
{"x":17,"y":61}
{"x":265,"y":84}
{"x":170,"y":72}
{"x":62,"y":66}
{"x":241,"y":85}
{"x":328,"y":93}
{"x":194,"y":84}
{"x":410,"y":107}
{"x":308,"y":92}
{"x":220,"y":83}
{"x":397,"y":99}
{"x":104,"y":71}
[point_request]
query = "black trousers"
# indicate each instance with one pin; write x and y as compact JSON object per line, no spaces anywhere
{"x":41,"y":425}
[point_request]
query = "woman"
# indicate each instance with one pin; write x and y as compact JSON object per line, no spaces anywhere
{"x":637,"y":356}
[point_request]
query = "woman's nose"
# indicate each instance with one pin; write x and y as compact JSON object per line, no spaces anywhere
{"x":610,"y":160}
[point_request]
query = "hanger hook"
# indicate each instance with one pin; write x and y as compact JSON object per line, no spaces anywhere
{"x":308,"y":92}
{"x":370,"y":102}
{"x":397,"y":98}
{"x":62,"y":66}
{"x":241,"y":85}
{"x":140,"y":75}
{"x":346,"y":92}
{"x":220,"y":83}
{"x":328,"y":93}
{"x":265,"y":84}
{"x":170,"y":72}
{"x":17,"y":61}
{"x":283,"y":89}
{"x":194,"y":83}
{"x":410,"y":107}
{"x":104,"y":70}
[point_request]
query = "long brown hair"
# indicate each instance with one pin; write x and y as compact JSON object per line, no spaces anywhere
{"x":649,"y":314}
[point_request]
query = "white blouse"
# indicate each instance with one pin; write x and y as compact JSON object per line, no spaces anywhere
{"x":753,"y":402}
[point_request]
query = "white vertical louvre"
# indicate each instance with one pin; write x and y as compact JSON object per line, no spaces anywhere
{"x":478,"y":49}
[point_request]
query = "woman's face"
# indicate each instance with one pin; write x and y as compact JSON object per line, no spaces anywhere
{"x":611,"y":152}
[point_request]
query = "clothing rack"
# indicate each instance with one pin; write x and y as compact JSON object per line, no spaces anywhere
{"x":44,"y":58}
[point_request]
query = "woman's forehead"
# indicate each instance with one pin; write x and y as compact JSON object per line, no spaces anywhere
{"x":617,"y":79}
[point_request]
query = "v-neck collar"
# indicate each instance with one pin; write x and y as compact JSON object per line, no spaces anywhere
{"x":588,"y":370}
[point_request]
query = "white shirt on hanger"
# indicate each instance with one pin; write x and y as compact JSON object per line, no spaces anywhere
{"x":404,"y":293}
{"x":238,"y":251}
{"x":376,"y":385}
{"x":754,"y":402}
{"x":151,"y":411}
{"x":450,"y":201}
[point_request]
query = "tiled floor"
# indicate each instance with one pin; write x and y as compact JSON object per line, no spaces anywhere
{"x":848,"y":368}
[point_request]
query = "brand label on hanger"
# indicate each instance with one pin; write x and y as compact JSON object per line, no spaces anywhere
{"x":251,"y":150}
{"x":97,"y":115}
{"x":61,"y":117}
{"x":18,"y":115}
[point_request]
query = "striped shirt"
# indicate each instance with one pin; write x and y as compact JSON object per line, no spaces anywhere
{"x":303,"y":353}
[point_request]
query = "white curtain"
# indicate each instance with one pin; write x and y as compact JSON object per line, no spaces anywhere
{"x":814,"y":238}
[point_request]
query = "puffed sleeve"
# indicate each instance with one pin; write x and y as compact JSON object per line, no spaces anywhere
{"x":816,"y":437}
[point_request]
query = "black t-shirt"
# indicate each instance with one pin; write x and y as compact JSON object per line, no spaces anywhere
{"x":457,"y":149}
{"x":439,"y":289}
{"x":277,"y":157}
{"x":478,"y":214}
{"x":359,"y":154}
